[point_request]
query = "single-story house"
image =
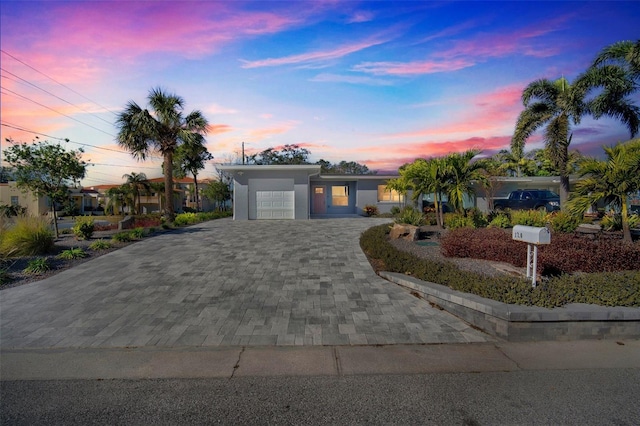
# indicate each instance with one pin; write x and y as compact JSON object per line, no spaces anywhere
{"x":301,"y":192}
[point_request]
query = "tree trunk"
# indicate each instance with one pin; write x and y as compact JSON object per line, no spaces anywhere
{"x":169,"y":211}
{"x":195,"y":182}
{"x":55,"y":218}
{"x":564,"y":191}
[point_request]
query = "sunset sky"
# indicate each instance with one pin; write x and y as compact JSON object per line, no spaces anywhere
{"x":381,"y":83}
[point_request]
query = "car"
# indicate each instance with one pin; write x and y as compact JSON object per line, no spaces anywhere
{"x":528,"y":199}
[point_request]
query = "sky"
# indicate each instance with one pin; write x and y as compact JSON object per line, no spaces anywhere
{"x":381,"y":83}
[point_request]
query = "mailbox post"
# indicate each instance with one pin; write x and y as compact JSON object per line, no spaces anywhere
{"x":533,"y":236}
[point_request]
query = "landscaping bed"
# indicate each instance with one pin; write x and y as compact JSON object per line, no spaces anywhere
{"x":616,"y":288}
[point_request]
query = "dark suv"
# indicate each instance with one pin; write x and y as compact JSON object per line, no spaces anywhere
{"x":529,"y":199}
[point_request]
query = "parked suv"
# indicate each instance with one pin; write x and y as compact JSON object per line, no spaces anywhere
{"x":529,"y":199}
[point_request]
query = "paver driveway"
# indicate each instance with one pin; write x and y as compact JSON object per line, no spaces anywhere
{"x":227,"y":283}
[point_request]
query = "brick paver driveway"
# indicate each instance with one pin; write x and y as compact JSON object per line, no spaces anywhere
{"x":227,"y":283}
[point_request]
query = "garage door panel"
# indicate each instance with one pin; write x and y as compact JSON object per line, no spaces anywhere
{"x":275,"y":204}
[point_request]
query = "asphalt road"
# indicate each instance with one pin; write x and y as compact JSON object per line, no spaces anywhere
{"x":596,"y":396}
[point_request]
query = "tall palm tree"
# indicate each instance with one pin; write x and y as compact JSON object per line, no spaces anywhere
{"x":612,"y":180}
{"x":426,"y":177}
{"x":138,"y":183}
{"x":191,"y":157}
{"x":401,"y":186}
{"x":460,"y":173}
{"x":161,"y":130}
{"x":559,"y":104}
{"x":625,"y":54}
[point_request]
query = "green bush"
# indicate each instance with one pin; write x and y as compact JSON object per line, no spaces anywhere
{"x":613,"y":221}
{"x":395,"y":210}
{"x":500,"y":220}
{"x":563,"y":222}
{"x":37,"y":266}
{"x":121,"y":237}
{"x":72,"y":253}
{"x":456,"y":220}
{"x":610,"y":289}
{"x":478,"y":218}
{"x":528,"y":217}
{"x":137,"y":233}
{"x":184,"y":219}
{"x":29,"y":236}
{"x":5,"y":276}
{"x":100,"y":245}
{"x":84,"y":227}
{"x":410,"y":216}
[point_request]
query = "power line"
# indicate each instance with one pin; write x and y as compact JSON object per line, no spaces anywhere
{"x":51,"y":94}
{"x":56,"y":81}
{"x":57,"y":112}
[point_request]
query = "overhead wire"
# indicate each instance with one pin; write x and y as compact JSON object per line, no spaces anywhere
{"x":56,"y":81}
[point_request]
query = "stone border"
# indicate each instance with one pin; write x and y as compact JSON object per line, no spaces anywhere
{"x":518,"y":323}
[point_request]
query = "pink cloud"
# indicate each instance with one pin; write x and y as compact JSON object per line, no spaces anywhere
{"x":265,"y":133}
{"x":314,"y":56}
{"x":412,"y":68}
{"x":217,"y":129}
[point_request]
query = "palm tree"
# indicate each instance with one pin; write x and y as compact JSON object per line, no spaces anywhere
{"x":460,"y":173}
{"x":158,"y":188}
{"x":557,"y":104}
{"x":118,"y":197}
{"x":138,"y":183}
{"x":191,"y":157}
{"x":401,"y":186}
{"x":612,"y":180}
{"x":426,"y":177}
{"x":163,"y":130}
{"x":625,"y":54}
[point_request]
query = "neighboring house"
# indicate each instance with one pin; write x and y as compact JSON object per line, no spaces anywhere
{"x":11,"y":195}
{"x":502,"y":186}
{"x":301,"y":192}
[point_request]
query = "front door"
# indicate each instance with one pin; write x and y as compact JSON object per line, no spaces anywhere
{"x":319,"y":200}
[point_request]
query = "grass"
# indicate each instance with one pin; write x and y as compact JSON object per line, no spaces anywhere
{"x":29,"y":236}
{"x":100,"y":245}
{"x":37,"y":266}
{"x":73,"y":253}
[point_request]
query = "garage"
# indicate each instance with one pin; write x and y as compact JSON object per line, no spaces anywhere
{"x":275,"y":205}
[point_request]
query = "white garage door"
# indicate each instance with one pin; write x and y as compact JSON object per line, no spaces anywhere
{"x":275,"y":204}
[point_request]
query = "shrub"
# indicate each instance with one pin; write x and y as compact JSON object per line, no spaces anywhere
{"x":122,"y":237}
{"x":7,"y":210}
{"x":478,"y":218}
{"x":613,"y":221}
{"x":370,"y":210}
{"x":563,"y":222}
{"x":84,"y":227}
{"x":37,"y":266}
{"x":137,"y":233}
{"x":528,"y":217}
{"x":72,"y":253}
{"x":395,"y":210}
{"x":610,"y":289}
{"x":147,"y":221}
{"x":5,"y":276}
{"x":500,"y":220}
{"x":456,"y":220}
{"x":100,"y":245}
{"x":29,"y":236}
{"x":410,"y":216}
{"x":184,"y":219}
{"x":567,"y":253}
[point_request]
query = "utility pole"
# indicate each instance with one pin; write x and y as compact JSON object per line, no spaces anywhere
{"x":243,"y":153}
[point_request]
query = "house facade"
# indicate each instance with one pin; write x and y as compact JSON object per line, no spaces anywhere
{"x":11,"y":195}
{"x":300,"y":192}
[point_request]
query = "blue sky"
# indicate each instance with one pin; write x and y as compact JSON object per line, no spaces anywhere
{"x":381,"y":83}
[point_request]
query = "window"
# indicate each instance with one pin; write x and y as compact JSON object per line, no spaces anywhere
{"x":14,"y":200}
{"x":388,"y":195}
{"x":340,"y":195}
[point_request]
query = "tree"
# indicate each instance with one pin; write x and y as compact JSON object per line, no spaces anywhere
{"x":559,"y":104}
{"x":426,"y":177}
{"x":46,"y":169}
{"x":459,"y":174}
{"x":289,"y":154}
{"x":118,"y":197}
{"x":344,"y":168}
{"x":191,"y":157}
{"x":137,"y":183}
{"x":163,"y":130}
{"x":625,"y":54}
{"x":401,"y":185}
{"x":614,"y":180}
{"x":218,"y":191}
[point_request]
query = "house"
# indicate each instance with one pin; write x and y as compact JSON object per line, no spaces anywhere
{"x":11,"y":195}
{"x":302,"y":192}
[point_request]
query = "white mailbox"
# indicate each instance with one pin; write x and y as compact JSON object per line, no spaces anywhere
{"x":531,"y":234}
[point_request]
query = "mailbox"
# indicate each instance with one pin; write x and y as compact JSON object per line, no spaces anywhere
{"x":531,"y":234}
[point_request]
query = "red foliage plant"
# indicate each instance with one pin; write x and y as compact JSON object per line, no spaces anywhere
{"x":567,"y":253}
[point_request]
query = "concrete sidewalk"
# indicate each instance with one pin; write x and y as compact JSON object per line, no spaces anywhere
{"x":229,"y":362}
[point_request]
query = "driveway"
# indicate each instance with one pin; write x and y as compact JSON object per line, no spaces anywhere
{"x":227,"y":283}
